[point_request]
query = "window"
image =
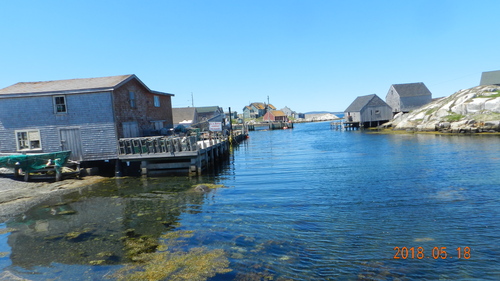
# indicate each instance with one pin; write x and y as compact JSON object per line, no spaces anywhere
{"x":157,"y":101}
{"x":157,"y":125}
{"x":28,"y":140}
{"x":60,"y":104}
{"x":132,"y":99}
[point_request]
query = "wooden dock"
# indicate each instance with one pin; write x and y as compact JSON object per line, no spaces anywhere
{"x":277,"y":125}
{"x":354,"y":125}
{"x":173,"y":155}
{"x":344,"y":125}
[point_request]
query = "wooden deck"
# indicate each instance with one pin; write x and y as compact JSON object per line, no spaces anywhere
{"x":275,"y":125}
{"x":166,"y":155}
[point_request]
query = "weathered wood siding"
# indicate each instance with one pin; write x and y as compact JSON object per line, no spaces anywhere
{"x":410,"y":97}
{"x":411,"y":103}
{"x":393,"y":100}
{"x":90,"y":113}
{"x":144,"y":111}
{"x":375,"y":113}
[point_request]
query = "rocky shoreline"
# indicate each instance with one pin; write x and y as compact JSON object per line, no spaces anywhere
{"x":17,"y":196}
{"x":474,"y":110}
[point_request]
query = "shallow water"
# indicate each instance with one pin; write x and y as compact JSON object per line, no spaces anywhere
{"x":304,"y":204}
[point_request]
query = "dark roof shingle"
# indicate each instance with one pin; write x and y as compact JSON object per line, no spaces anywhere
{"x":411,"y":89}
{"x":360,"y":102}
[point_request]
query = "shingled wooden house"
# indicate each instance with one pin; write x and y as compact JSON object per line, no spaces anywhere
{"x":367,"y":111}
{"x":490,"y":78}
{"x":185,"y":116}
{"x":407,"y":97}
{"x":86,"y":116}
{"x":275,"y":115}
{"x":256,"y":110}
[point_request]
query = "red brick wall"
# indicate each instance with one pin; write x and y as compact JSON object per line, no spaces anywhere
{"x":144,"y":112}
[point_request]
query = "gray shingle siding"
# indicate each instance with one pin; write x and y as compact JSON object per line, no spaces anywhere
{"x":490,"y":78}
{"x":407,"y":97}
{"x":369,"y":108}
{"x":96,"y":126}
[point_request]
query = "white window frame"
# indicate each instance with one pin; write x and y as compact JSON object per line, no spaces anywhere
{"x":31,"y":140}
{"x":63,"y":106}
{"x":156,"y":101}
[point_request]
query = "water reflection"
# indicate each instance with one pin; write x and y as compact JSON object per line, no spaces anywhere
{"x":307,"y":204}
{"x":96,"y":226}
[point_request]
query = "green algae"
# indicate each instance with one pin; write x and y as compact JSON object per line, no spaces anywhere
{"x":7,"y":230}
{"x":210,"y":185}
{"x":79,"y":235}
{"x":70,"y":212}
{"x":169,"y":262}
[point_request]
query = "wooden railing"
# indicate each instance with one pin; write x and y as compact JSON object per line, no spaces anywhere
{"x":164,"y":144}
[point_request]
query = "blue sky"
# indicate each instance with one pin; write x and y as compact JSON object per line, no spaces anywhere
{"x":307,"y":55}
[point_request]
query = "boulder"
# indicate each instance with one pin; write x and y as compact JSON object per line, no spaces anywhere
{"x":202,"y":188}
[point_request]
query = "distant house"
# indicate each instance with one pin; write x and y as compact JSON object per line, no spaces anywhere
{"x":275,"y":115}
{"x":86,"y":116}
{"x":368,"y":111}
{"x":248,"y":112}
{"x":287,"y":111}
{"x":186,"y":116}
{"x":232,"y":114}
{"x":407,"y":97}
{"x":207,"y":113}
{"x":257,"y":109}
{"x":490,"y":78}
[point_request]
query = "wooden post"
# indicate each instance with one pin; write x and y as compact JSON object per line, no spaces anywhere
{"x":144,"y":168}
{"x":16,"y":169}
{"x":118,"y":168}
{"x":58,"y":174}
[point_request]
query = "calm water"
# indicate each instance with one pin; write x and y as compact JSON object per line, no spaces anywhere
{"x":304,"y":204}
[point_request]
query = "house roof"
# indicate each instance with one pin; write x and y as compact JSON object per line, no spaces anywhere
{"x":261,"y":105}
{"x":80,"y":85}
{"x":412,"y":89}
{"x":183,"y":114}
{"x":490,"y":78}
{"x":360,"y":102}
{"x":258,"y":105}
{"x":208,"y":109}
{"x":277,"y":113}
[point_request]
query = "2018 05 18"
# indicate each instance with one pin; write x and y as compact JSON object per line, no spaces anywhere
{"x":435,"y":253}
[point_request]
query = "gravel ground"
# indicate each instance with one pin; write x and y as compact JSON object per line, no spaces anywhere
{"x":17,"y":196}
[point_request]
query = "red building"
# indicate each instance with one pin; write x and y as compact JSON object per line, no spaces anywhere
{"x":275,"y":115}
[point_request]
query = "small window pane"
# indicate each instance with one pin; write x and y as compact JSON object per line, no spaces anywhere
{"x":22,"y":138}
{"x":27,"y":140}
{"x":157,"y":101}
{"x":60,"y":104}
{"x":132,"y":98}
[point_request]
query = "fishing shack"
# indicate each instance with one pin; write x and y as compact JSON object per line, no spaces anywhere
{"x":407,"y":97}
{"x":367,"y":111}
{"x":85,"y":116}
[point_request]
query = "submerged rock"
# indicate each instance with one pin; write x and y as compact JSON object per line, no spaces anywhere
{"x":206,"y":187}
{"x":202,"y":188}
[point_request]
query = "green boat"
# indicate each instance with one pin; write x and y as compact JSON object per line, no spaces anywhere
{"x":30,"y":163}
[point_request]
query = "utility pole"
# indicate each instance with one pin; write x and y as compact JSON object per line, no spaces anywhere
{"x":192,"y":100}
{"x":267,"y":109}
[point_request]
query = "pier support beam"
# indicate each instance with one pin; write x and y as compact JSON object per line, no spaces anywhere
{"x":118,"y":168}
{"x":144,"y":168}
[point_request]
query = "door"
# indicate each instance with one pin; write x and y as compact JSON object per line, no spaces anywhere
{"x":130,"y":129}
{"x":71,"y":140}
